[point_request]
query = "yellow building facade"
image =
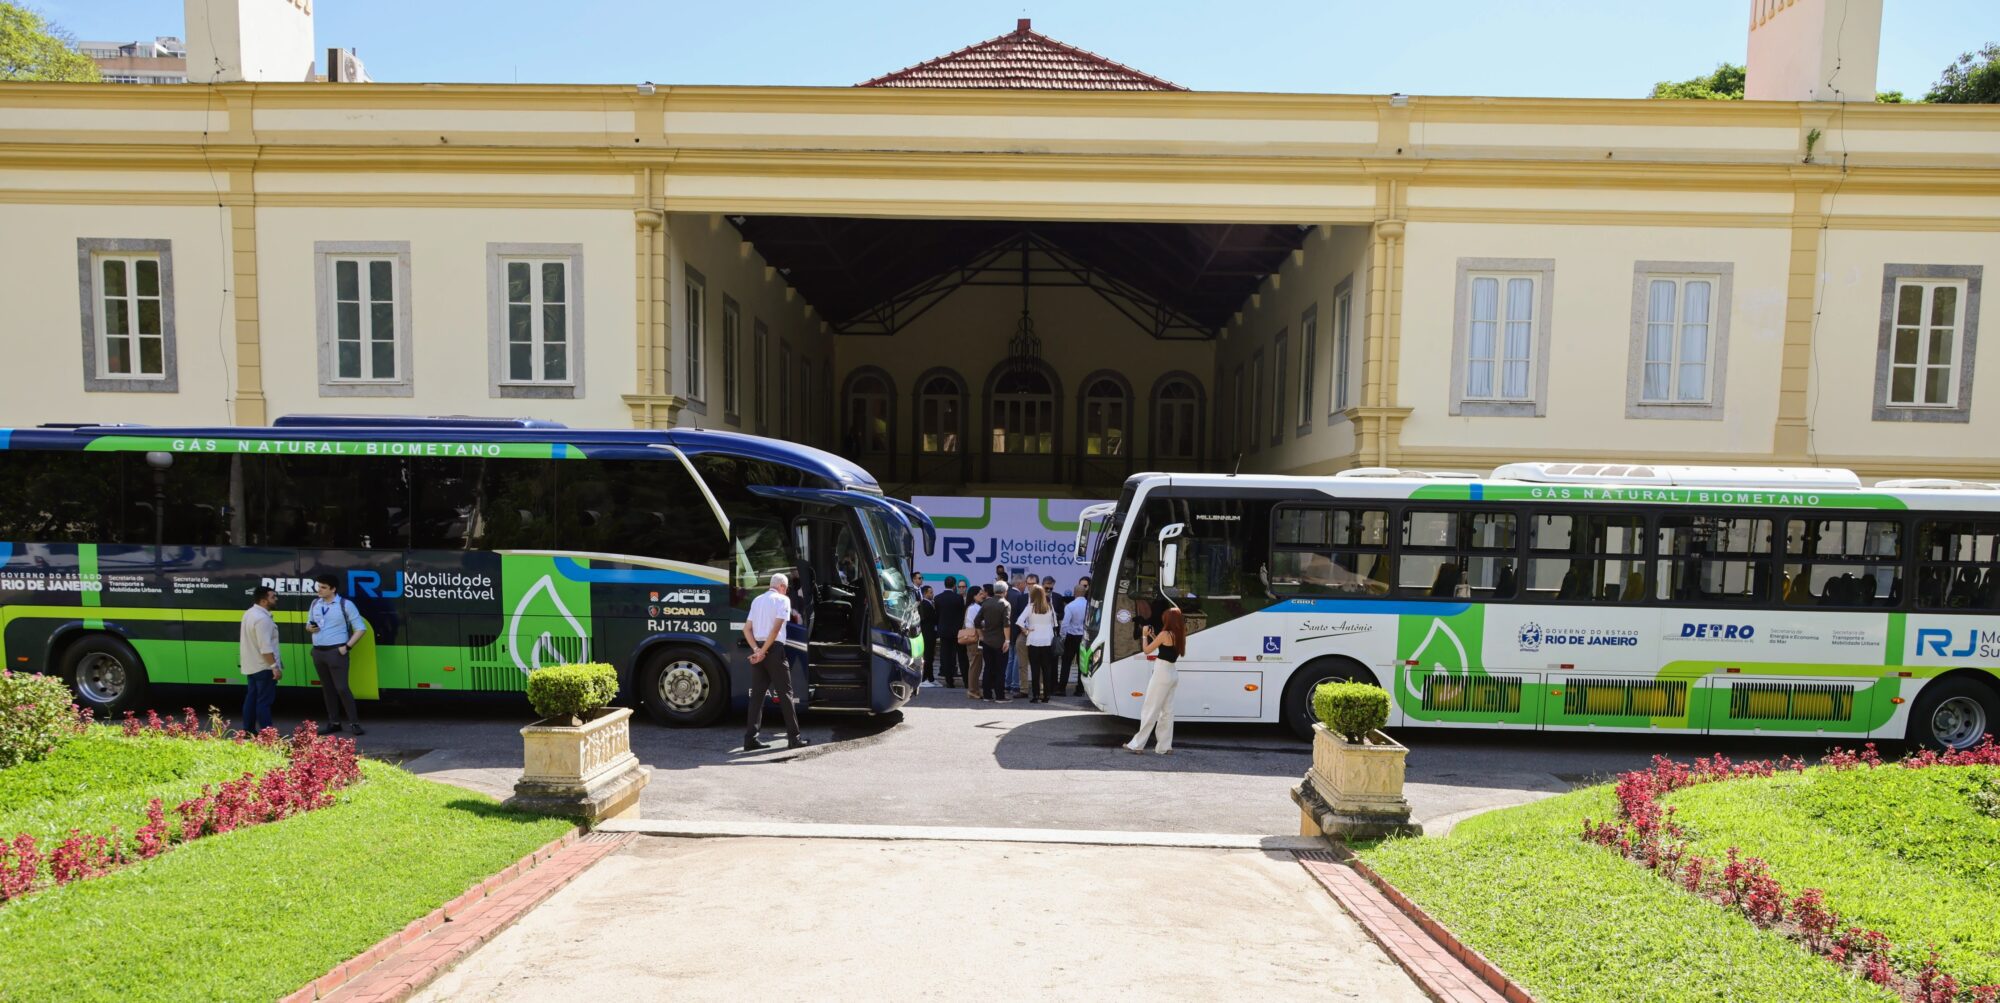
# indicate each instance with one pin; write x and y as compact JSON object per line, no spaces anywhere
{"x":1475,"y":280}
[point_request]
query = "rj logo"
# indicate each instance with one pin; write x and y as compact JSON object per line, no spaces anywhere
{"x":1933,"y":641}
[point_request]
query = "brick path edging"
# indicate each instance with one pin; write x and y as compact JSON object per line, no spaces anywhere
{"x":407,"y":960}
{"x":1442,"y":965}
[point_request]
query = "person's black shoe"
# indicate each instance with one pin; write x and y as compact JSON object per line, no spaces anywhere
{"x":329,"y":729}
{"x":752,"y":744}
{"x":356,"y":729}
{"x":798,"y":742}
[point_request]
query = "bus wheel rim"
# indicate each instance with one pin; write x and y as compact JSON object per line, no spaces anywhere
{"x":100,"y":678}
{"x":1959,"y":722}
{"x":683,"y":685}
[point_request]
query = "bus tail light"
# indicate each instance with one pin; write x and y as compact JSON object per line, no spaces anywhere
{"x":423,"y":686}
{"x":1895,"y":700}
{"x":218,"y":680}
{"x":1904,"y":675}
{"x":1732,"y":669}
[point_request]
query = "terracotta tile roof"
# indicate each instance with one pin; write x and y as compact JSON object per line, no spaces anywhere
{"x":1024,"y":59}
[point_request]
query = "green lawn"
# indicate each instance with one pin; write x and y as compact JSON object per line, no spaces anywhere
{"x":257,"y":913}
{"x":1572,"y":921}
{"x":101,"y":779}
{"x":1906,"y":852}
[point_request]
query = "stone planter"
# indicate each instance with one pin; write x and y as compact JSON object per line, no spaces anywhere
{"x":584,"y":771}
{"x":1354,"y":791}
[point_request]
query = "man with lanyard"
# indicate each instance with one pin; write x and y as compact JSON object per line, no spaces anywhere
{"x":336,"y":627}
{"x":770,"y":663}
{"x":1073,"y":617}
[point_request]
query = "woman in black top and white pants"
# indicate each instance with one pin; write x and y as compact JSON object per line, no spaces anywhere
{"x":1167,"y":647}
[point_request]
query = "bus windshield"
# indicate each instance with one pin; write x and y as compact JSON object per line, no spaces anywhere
{"x":889,"y":541}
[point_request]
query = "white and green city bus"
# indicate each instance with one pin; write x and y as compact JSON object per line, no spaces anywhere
{"x":1563,"y":596}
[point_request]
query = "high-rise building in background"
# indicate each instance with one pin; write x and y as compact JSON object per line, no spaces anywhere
{"x":160,"y":61}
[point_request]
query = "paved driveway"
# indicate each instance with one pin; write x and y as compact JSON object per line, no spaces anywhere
{"x":948,"y":761}
{"x":840,"y":919}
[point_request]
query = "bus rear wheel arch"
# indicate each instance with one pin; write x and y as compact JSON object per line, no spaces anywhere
{"x":1954,"y":711}
{"x":105,"y":674}
{"x":683,"y":687}
{"x":1296,"y":707}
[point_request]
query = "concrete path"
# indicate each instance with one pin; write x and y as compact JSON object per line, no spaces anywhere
{"x":857,"y":919}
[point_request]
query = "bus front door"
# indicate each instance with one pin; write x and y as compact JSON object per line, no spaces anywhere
{"x":833,"y":604}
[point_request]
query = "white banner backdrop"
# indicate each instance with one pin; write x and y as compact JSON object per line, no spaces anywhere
{"x":1034,"y":536}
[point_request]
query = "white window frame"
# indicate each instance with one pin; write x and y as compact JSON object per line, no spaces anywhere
{"x":1308,"y":362}
{"x":1957,"y":407}
{"x":328,"y":256}
{"x":1926,"y":332}
{"x":499,"y":257}
{"x":1508,"y":291}
{"x":1343,"y":346}
{"x":694,"y":324}
{"x":732,"y":363}
{"x":1720,"y":275}
{"x":1678,"y":289}
{"x":95,"y":306}
{"x":1533,"y":402}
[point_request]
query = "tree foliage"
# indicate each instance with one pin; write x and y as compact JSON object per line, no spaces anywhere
{"x":1973,"y":79}
{"x":34,"y":48}
{"x":1725,"y":84}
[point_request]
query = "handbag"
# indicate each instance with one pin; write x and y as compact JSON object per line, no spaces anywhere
{"x":968,"y":635}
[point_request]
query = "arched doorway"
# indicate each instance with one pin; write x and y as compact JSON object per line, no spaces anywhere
{"x":1023,"y":425}
{"x":1104,"y":429}
{"x":869,"y":426}
{"x":938,"y":448}
{"x":1177,"y":423}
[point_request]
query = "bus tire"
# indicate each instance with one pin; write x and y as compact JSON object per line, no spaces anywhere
{"x":1953,"y":713}
{"x":684,"y":687}
{"x":105,"y":674}
{"x":1296,"y":707}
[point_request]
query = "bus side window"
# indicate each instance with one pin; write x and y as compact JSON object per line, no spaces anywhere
{"x":645,"y":508}
{"x":1718,"y":558}
{"x":330,"y":502}
{"x":1958,"y":564}
{"x":482,"y":504}
{"x":1836,"y":562}
{"x":1584,"y":558}
{"x":61,"y":496}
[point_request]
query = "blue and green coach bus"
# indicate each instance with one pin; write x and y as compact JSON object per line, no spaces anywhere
{"x":478,"y":550}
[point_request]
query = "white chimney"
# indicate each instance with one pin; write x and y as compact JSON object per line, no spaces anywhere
{"x":232,"y":40}
{"x":1813,"y":50}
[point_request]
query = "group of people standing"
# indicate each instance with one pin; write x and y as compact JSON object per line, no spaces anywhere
{"x":982,"y":636}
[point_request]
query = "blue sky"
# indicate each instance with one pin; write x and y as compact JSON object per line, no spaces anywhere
{"x":1571,"y":48}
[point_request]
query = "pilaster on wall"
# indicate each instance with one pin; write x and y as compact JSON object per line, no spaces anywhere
{"x":1791,"y":439}
{"x":1378,"y":420}
{"x":241,"y":203}
{"x":651,"y":403}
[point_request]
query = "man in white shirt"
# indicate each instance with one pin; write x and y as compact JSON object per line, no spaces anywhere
{"x":258,"y":660}
{"x":1073,"y":616}
{"x":770,"y":668}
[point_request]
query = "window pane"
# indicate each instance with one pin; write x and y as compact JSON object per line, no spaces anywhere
{"x":554,"y":276}
{"x":1520,"y":299}
{"x":1481,"y":345}
{"x":1903,"y":386}
{"x":1430,"y":529}
{"x":1841,"y":584}
{"x":1937,"y":386}
{"x":346,"y":280}
{"x":1659,"y":342}
{"x":382,"y":322}
{"x":1698,"y":294}
{"x":118,"y":355}
{"x":555,"y":317}
{"x":347,"y":321}
{"x":520,"y":323}
{"x":348,"y":359}
{"x":1656,"y":381}
{"x":1905,"y":350}
{"x":1489,"y":531}
{"x":520,"y":362}
{"x":1944,"y":303}
{"x":1660,"y":302}
{"x":517,"y":282}
{"x":1910,"y":305}
{"x":117,"y":316}
{"x":1694,"y":381}
{"x":148,"y":273}
{"x":149,"y":316}
{"x":384,"y":360}
{"x":114,"y":277}
{"x":381,"y":284}
{"x":1485,"y":299}
{"x":1306,"y":572}
{"x":1515,"y":384}
{"x":151,"y":361}
{"x":1940,"y":347}
{"x":555,"y":361}
{"x":1479,"y":379}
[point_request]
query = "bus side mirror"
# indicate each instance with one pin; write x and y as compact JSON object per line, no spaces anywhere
{"x":1170,"y":552}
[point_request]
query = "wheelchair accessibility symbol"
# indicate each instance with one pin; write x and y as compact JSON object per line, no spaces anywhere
{"x":1273,"y":645}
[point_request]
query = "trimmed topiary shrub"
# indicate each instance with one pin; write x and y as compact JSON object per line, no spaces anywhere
{"x":1351,"y":710}
{"x":35,"y":716}
{"x":571,"y":691}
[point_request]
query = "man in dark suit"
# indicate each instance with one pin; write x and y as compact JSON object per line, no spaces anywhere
{"x":928,"y":621}
{"x":947,"y":616}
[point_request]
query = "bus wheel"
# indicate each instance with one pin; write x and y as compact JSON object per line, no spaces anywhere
{"x":1952,"y":713}
{"x":684,"y":687}
{"x":1297,"y":706}
{"x":105,"y":674}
